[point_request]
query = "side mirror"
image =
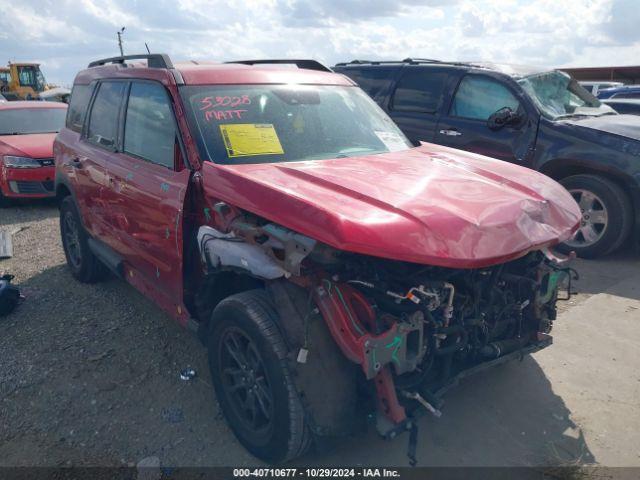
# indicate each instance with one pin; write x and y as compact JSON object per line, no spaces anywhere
{"x":503,"y":117}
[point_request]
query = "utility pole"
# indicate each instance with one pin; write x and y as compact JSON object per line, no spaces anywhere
{"x":119,"y":33}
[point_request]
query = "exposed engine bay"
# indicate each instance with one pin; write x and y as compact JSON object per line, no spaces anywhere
{"x":412,"y":328}
{"x":444,"y":314}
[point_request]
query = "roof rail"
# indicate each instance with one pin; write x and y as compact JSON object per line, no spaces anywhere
{"x":362,"y":62}
{"x":306,"y":64}
{"x":421,"y":60}
{"x":154,"y":60}
{"x":406,"y":60}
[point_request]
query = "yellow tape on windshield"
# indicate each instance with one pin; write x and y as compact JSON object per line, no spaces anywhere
{"x":246,"y":139}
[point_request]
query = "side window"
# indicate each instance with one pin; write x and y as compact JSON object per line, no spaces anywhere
{"x":80,"y":96}
{"x":478,"y":97}
{"x":419,"y":91}
{"x":373,"y":80}
{"x":149,"y":129}
{"x":103,"y":120}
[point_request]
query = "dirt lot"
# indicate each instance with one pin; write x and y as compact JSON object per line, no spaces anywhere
{"x":90,"y":376}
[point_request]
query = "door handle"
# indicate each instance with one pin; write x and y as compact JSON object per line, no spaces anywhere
{"x":75,"y":162}
{"x":116,"y":185}
{"x":450,"y":133}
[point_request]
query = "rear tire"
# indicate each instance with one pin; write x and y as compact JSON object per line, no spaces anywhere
{"x":84,"y":265}
{"x":252,"y":378}
{"x":607,"y":215}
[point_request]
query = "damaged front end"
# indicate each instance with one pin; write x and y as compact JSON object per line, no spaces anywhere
{"x":412,"y":329}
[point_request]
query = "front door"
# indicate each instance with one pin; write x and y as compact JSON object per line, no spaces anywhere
{"x":148,"y":183}
{"x":465,"y":126}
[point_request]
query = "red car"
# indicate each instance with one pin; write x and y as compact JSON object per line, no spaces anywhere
{"x":27,"y":131}
{"x":327,"y":263}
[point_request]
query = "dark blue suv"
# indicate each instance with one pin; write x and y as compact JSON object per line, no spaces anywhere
{"x":537,"y":118}
{"x":625,"y":91}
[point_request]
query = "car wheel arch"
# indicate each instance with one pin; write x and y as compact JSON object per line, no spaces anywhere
{"x":562,"y":168}
{"x":62,"y":191}
{"x":214,"y":288}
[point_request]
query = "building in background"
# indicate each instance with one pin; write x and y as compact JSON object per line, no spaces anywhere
{"x":626,"y":75}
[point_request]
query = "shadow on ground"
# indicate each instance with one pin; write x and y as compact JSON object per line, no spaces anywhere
{"x":600,"y":275}
{"x":507,"y":416}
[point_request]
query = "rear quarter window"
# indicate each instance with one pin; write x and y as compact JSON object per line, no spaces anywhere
{"x":80,"y":96}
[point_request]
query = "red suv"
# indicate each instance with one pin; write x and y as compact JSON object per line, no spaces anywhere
{"x":324,"y":260}
{"x":27,"y":131}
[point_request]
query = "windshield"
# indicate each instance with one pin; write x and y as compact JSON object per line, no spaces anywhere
{"x":287,"y":123}
{"x":560,"y":96}
{"x":31,"y":120}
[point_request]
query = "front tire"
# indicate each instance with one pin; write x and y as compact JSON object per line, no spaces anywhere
{"x":4,"y":201}
{"x":606,"y":215}
{"x":252,"y":378}
{"x":84,"y":265}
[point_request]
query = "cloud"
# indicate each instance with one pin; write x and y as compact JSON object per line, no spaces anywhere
{"x":325,"y":12}
{"x":65,"y":35}
{"x":623,"y":24}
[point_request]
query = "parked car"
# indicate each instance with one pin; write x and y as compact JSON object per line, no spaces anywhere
{"x":626,"y":91}
{"x":594,"y":87}
{"x":240,"y":197}
{"x":538,"y":119}
{"x":2,"y":99}
{"x":27,"y":131}
{"x":629,"y":106}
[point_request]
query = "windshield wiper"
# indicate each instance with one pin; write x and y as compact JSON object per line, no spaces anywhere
{"x":584,"y":115}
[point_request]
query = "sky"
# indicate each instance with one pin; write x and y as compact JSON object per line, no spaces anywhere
{"x":65,"y":35}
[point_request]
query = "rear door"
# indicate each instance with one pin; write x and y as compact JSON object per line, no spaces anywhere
{"x":84,"y":159}
{"x":417,"y":100}
{"x":147,"y":185}
{"x":464,"y":126}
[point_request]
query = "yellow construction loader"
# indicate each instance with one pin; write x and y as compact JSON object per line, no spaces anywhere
{"x":24,"y":81}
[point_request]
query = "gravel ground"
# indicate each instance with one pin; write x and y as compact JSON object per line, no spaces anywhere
{"x":90,"y":373}
{"x":90,"y":376}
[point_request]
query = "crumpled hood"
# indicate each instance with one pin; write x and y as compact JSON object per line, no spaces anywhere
{"x":431,"y":204}
{"x":624,"y":125}
{"x":37,"y":145}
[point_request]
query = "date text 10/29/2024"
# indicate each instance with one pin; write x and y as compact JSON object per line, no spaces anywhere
{"x":315,"y":473}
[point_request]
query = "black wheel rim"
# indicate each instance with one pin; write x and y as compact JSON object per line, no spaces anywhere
{"x":71,"y":236}
{"x":245,"y":381}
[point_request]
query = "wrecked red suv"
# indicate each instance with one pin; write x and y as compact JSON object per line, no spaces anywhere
{"x":332,"y":268}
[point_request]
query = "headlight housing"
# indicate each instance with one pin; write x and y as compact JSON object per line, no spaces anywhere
{"x":20,"y":162}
